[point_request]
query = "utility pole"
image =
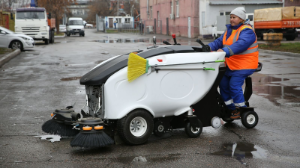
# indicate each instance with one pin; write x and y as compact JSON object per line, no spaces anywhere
{"x":132,"y":10}
{"x":118,"y":5}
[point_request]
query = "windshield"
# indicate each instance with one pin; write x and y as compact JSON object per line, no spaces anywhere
{"x":30,"y":15}
{"x":7,"y":31}
{"x":75,"y":22}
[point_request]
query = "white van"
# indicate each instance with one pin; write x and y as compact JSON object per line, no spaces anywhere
{"x":75,"y":26}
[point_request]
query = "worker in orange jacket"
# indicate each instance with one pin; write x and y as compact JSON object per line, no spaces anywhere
{"x":239,"y":42}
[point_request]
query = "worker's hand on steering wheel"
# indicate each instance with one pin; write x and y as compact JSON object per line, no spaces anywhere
{"x":206,"y":48}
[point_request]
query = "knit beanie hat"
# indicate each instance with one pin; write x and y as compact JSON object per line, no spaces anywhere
{"x":240,"y":12}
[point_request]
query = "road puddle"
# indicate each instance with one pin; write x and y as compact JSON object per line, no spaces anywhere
{"x":50,"y":63}
{"x":70,"y":78}
{"x":65,"y":42}
{"x":98,"y":62}
{"x":278,"y":90}
{"x":241,"y":150}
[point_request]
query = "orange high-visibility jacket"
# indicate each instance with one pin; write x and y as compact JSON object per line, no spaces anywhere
{"x":245,"y":60}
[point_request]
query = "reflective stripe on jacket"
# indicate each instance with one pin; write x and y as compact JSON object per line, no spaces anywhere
{"x":245,"y":60}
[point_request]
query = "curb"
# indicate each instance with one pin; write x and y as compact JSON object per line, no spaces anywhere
{"x":280,"y":52}
{"x":9,"y":56}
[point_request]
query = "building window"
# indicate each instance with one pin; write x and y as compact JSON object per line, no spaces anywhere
{"x":250,"y":17}
{"x":224,"y":13}
{"x":172,"y":7}
{"x":177,"y":8}
{"x":150,"y":12}
{"x":127,"y":20}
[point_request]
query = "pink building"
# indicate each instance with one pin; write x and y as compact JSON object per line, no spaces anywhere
{"x":180,"y":17}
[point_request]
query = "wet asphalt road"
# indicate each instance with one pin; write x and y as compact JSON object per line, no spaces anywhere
{"x":45,"y":78}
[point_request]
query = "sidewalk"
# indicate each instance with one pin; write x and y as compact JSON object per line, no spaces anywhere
{"x":4,"y":58}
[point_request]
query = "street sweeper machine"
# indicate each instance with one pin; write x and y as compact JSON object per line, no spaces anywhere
{"x":151,"y":91}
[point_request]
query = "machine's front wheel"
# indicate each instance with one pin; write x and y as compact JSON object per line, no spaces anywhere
{"x":193,"y":132}
{"x":249,"y":119}
{"x":136,"y":127}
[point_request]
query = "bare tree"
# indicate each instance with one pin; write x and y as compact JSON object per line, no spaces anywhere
{"x":57,"y":8}
{"x":4,"y":5}
{"x":102,"y":8}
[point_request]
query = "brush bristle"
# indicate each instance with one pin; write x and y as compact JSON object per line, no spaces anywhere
{"x":53,"y":127}
{"x":92,"y":140}
{"x":136,"y":66}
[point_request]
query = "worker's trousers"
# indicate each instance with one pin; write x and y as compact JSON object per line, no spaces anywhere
{"x":231,"y":88}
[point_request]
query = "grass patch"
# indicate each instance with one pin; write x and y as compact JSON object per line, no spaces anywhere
{"x":286,"y":47}
{"x":111,"y":31}
{"x":122,"y":31}
{"x":59,"y":34}
{"x":5,"y":50}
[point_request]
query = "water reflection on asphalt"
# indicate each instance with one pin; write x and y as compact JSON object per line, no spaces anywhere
{"x":277,"y":89}
{"x":241,"y":150}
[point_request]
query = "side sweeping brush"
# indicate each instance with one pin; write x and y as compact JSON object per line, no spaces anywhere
{"x":61,"y":122}
{"x":138,"y":66}
{"x":92,"y":140}
{"x":91,"y":134}
{"x":53,"y":127}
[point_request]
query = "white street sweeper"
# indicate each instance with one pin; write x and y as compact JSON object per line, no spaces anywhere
{"x":147,"y":92}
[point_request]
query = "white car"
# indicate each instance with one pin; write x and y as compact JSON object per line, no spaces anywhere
{"x":62,"y":28}
{"x":9,"y":39}
{"x":89,"y":25}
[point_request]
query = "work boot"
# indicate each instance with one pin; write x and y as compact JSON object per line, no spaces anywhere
{"x":235,"y":114}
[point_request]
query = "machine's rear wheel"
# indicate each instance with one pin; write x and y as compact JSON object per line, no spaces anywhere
{"x":249,"y":119}
{"x":193,"y":132}
{"x":136,"y":127}
{"x":159,"y":129}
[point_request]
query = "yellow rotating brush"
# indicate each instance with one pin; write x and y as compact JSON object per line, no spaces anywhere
{"x":137,"y":66}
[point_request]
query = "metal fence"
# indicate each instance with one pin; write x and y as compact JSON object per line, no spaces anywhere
{"x":130,"y":27}
{"x":152,"y":27}
{"x":137,"y":27}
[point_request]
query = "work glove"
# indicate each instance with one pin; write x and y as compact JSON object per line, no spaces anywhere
{"x":206,"y":48}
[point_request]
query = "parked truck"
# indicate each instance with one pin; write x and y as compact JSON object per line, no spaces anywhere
{"x":35,"y":23}
{"x":277,"y":20}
